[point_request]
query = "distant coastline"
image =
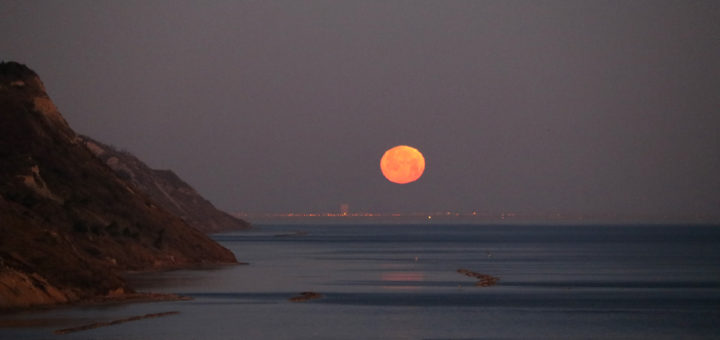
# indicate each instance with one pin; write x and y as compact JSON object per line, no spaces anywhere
{"x":447,"y":217}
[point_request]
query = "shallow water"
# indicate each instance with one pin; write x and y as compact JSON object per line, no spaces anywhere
{"x":401,"y":282}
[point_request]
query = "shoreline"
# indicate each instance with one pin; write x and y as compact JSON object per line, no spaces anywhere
{"x":106,"y":300}
{"x":130,"y":296}
{"x":111,"y":299}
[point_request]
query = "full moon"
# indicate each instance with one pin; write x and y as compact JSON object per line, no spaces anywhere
{"x":402,"y":164}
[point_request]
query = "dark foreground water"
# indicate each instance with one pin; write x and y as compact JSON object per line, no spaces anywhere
{"x":401,"y":282}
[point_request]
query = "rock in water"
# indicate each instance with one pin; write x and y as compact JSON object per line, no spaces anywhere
{"x":305,"y":296}
{"x":484,"y":280}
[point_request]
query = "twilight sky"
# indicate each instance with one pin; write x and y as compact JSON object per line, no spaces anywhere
{"x":528,"y":106}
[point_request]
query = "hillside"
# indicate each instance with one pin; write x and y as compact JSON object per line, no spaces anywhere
{"x":69,"y":226}
{"x":166,"y":189}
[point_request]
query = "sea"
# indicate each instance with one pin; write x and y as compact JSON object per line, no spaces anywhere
{"x":402,"y":282}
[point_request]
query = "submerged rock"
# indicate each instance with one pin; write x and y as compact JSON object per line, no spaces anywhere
{"x":484,"y":280}
{"x":305,"y":296}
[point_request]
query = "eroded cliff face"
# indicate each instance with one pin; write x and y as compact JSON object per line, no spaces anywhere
{"x":69,"y":226}
{"x":166,"y":189}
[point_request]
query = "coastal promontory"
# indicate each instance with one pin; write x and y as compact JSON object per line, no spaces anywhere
{"x":69,"y":224}
{"x":166,"y":189}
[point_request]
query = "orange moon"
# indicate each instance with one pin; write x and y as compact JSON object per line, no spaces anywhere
{"x":402,"y":164}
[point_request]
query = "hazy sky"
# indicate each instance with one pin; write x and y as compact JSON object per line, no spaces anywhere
{"x":529,"y":106}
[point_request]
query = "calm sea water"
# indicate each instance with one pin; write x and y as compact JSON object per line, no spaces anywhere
{"x":401,"y":282}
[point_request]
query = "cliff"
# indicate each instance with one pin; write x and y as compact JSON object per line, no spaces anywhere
{"x":166,"y":189}
{"x":69,"y":226}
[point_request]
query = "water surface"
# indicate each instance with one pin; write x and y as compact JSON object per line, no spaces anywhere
{"x":401,"y":282}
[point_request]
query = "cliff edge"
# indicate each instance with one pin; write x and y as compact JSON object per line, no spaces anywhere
{"x":166,"y":189}
{"x":69,"y":225}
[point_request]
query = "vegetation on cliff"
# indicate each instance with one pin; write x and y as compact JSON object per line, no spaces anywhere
{"x":69,"y":225}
